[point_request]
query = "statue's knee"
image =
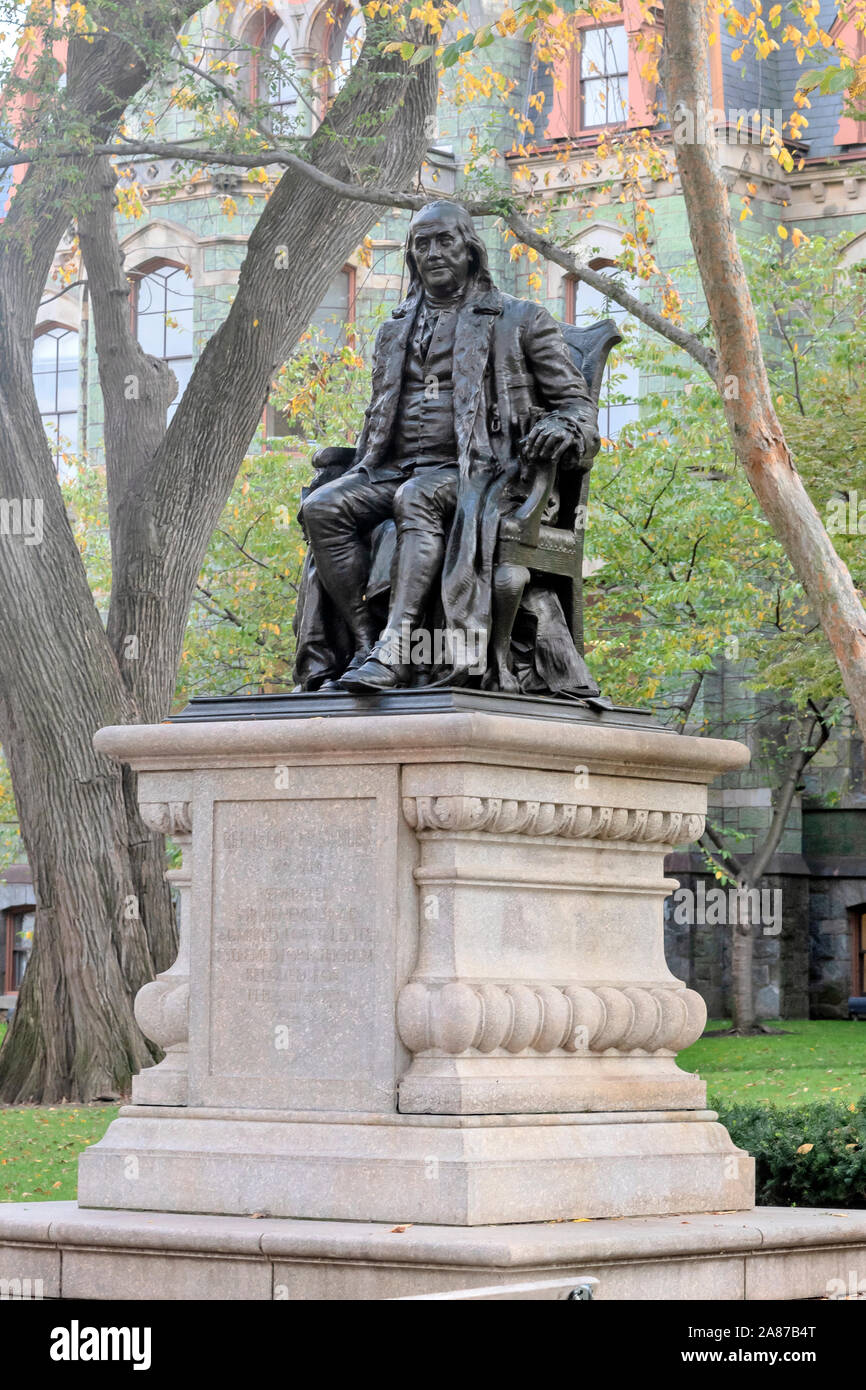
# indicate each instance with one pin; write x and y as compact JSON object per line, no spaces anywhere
{"x":510,"y":580}
{"x":407,"y":502}
{"x":318,"y":511}
{"x":417,"y":507}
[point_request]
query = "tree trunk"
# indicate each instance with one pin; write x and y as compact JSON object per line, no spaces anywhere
{"x":103,"y":921}
{"x":103,"y":914}
{"x":750,"y":874}
{"x":170,"y":508}
{"x":756,"y":433}
{"x":742,"y":983}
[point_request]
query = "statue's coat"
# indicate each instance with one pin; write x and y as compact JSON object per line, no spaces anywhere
{"x":510,"y":359}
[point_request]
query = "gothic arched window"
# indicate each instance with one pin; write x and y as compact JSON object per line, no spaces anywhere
{"x":164,"y":320}
{"x":346,"y":37}
{"x":275,"y":77}
{"x":618,"y":401}
{"x":55,"y":377}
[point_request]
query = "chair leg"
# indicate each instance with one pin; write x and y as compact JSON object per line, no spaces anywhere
{"x":509,"y":581}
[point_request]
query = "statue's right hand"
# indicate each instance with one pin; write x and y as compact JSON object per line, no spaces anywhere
{"x":339,"y":457}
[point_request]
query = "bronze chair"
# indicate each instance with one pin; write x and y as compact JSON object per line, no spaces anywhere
{"x":545,"y":535}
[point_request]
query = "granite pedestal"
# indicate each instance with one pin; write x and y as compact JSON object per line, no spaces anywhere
{"x":421,"y":975}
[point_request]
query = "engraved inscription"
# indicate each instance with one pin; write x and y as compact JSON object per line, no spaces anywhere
{"x":293,"y":937}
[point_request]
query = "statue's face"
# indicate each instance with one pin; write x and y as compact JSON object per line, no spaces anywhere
{"x":441,"y":254}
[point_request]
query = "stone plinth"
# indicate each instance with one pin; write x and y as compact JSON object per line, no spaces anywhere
{"x":767,"y":1254}
{"x":421,"y":975}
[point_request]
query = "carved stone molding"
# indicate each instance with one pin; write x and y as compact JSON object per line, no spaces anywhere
{"x":461,"y":1016}
{"x":568,"y":821}
{"x":162,"y":1010}
{"x":168,"y":817}
{"x":162,"y":1006}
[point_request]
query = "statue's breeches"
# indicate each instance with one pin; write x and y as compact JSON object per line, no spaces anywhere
{"x":352,"y":505}
{"x":348,"y":505}
{"x":426,"y":500}
{"x":340,"y":515}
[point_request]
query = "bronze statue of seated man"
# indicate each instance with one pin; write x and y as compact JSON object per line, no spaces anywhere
{"x":474,"y":396}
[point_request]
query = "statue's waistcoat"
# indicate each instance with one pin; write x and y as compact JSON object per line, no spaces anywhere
{"x":424,"y":427}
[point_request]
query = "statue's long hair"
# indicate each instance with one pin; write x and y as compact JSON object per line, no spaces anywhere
{"x":480,"y":273}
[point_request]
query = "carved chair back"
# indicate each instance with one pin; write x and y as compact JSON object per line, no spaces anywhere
{"x":555,"y":550}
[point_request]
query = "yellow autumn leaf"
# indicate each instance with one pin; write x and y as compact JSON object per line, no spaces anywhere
{"x":805,"y":1148}
{"x":782,"y":231}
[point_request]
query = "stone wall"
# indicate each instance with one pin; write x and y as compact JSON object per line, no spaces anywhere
{"x":835,"y":843}
{"x":700,"y":952}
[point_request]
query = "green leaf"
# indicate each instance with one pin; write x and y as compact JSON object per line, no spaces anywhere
{"x":457,"y":49}
{"x":827,"y":80}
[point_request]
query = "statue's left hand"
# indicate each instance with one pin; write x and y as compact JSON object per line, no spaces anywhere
{"x":548,"y":442}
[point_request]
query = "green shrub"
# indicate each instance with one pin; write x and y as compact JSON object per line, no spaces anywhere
{"x":806,"y":1155}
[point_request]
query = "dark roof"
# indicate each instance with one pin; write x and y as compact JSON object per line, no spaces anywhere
{"x":17,"y":873}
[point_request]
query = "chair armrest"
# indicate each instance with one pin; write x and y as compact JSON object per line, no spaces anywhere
{"x":526,"y":521}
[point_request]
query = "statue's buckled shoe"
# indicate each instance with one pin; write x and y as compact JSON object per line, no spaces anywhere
{"x":374,"y":674}
{"x":359,"y":659}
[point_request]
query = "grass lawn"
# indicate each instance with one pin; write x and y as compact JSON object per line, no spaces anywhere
{"x":39,"y":1148}
{"x":817,"y":1060}
{"x":40,"y":1144}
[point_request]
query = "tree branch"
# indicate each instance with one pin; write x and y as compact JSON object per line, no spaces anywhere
{"x":800,"y":757}
{"x":606,"y":285}
{"x":688,"y":705}
{"x":715,"y":839}
{"x":60,"y":293}
{"x":411,"y":202}
{"x":136,"y":392}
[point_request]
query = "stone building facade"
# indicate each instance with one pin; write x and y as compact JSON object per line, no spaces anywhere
{"x":183,"y":256}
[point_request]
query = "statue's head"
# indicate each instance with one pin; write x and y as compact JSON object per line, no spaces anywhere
{"x":444,"y":252}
